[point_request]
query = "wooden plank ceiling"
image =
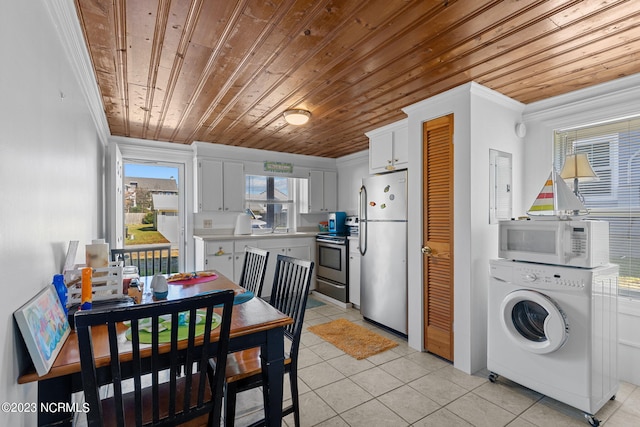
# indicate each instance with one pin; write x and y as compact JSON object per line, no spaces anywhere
{"x":223,"y":71}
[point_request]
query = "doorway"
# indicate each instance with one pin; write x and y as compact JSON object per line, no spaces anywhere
{"x":153,"y":213}
{"x":437,"y":199}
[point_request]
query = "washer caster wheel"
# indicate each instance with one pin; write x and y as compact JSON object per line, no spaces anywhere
{"x":593,"y":421}
{"x":493,"y":377}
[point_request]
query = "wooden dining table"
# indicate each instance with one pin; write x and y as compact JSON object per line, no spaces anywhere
{"x":254,"y":323}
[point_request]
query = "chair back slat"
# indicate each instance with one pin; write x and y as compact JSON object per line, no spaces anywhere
{"x":137,"y":370}
{"x":88,"y":373}
{"x":254,"y":269}
{"x":291,"y":284}
{"x":116,"y":372}
{"x":194,"y":350}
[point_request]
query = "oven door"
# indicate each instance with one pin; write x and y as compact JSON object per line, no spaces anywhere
{"x":332,"y":261}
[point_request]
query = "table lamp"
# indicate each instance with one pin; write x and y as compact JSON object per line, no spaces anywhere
{"x":578,"y":168}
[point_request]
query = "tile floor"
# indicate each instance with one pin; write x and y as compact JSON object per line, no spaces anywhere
{"x":403,"y":387}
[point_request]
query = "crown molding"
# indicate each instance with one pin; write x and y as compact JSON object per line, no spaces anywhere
{"x":495,"y":97}
{"x":230,"y":152}
{"x":614,"y":98}
{"x":353,"y":159}
{"x":65,"y":19}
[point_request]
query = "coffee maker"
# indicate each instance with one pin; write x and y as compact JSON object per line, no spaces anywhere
{"x":336,"y":223}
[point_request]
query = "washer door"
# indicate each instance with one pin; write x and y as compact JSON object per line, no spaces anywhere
{"x":533,"y":321}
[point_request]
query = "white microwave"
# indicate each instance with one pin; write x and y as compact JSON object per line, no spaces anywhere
{"x":582,"y":243}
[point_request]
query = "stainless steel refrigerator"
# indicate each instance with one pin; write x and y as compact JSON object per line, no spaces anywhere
{"x":383,"y":246}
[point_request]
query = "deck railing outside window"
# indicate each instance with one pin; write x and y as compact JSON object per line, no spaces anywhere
{"x":150,"y":259}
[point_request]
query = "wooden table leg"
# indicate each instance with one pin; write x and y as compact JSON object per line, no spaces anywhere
{"x":272,"y":355}
{"x":54,"y":402}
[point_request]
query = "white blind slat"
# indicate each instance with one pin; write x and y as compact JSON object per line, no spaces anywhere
{"x":613,"y":150}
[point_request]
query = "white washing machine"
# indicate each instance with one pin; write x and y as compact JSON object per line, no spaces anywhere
{"x":553,"y":329}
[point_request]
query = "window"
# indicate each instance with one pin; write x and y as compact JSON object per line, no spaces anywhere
{"x":270,"y":200}
{"x":613,"y":149}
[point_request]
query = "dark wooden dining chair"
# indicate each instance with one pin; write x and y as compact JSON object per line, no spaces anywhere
{"x":254,"y":269}
{"x":291,"y":284}
{"x":194,"y":396}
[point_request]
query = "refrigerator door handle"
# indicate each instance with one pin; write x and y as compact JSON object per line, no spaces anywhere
{"x":362,"y":235}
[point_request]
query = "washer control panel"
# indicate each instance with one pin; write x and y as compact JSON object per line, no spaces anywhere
{"x":547,"y":277}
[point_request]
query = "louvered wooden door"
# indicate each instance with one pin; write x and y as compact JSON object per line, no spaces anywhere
{"x":438,"y":235}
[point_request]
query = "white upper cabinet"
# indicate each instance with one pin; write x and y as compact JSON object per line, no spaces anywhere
{"x":389,"y":147}
{"x":233,"y":186}
{"x":323,"y":191}
{"x":220,"y":186}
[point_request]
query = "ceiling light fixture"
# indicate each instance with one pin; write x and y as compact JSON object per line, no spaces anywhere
{"x":296,"y":117}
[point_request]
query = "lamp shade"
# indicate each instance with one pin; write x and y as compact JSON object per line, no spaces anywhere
{"x":296,"y":117}
{"x":578,"y":166}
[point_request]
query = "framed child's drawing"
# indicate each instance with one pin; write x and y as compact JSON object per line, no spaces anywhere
{"x":44,"y":327}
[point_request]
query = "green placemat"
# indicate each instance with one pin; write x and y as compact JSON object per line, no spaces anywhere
{"x":165,"y":327}
{"x":238,"y":299}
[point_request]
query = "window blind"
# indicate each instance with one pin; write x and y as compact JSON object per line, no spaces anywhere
{"x":613,"y":149}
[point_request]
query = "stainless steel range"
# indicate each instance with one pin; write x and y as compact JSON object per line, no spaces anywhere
{"x":332,"y":266}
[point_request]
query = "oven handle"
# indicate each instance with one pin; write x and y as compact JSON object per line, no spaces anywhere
{"x":330,"y":244}
{"x":362,"y":233}
{"x":333,"y":284}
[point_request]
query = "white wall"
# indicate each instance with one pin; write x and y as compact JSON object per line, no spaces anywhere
{"x":615,"y":99}
{"x":51,"y":175}
{"x":483,"y":120}
{"x":493,"y":121}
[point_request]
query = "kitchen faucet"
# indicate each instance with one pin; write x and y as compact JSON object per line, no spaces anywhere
{"x":275,"y":226}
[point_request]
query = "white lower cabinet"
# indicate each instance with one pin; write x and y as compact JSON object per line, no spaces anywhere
{"x":227,"y":256}
{"x":300,"y":248}
{"x":354,"y":271}
{"x":215,"y":255}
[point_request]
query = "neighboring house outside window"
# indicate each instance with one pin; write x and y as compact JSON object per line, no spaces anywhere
{"x":270,"y":199}
{"x":139,"y":192}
